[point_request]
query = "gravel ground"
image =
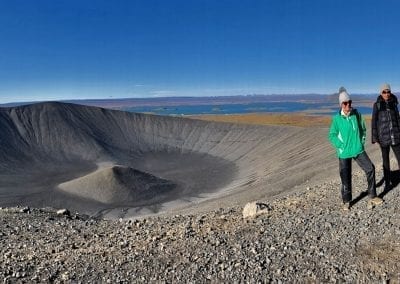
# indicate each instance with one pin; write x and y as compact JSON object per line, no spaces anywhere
{"x":304,"y":237}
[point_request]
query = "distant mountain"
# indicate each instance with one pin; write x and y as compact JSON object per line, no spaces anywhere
{"x":355,"y":97}
{"x":217,"y":100}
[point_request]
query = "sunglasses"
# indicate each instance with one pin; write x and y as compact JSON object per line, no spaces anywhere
{"x":347,"y":103}
{"x":385,"y":92}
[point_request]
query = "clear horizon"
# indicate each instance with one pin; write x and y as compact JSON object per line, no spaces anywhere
{"x":66,"y":50}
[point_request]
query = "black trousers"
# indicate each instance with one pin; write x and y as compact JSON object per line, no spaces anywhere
{"x":386,"y":161}
{"x":345,"y":175}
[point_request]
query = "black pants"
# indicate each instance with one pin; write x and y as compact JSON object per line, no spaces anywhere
{"x":386,"y":162}
{"x":345,"y":175}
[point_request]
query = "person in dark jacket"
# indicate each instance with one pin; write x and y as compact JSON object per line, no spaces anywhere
{"x":347,"y":135}
{"x":386,"y":129}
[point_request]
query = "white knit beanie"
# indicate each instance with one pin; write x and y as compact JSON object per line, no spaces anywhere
{"x":385,"y":86}
{"x":343,"y":95}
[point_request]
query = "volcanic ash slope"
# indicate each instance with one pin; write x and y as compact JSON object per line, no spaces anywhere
{"x":50,"y":155}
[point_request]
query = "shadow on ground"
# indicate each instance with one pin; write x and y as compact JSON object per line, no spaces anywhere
{"x":395,"y":180}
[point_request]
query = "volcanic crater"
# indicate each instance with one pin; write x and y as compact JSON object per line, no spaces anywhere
{"x":113,"y":164}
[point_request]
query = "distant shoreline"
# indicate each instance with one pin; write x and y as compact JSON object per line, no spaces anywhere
{"x":253,"y":109}
{"x":214,"y":100}
{"x":288,"y":119}
{"x":292,"y":119}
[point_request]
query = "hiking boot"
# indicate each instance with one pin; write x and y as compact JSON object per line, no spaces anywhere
{"x":346,"y":206}
{"x":374,"y":201}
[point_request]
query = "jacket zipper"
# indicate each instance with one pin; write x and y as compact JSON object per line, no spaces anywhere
{"x":390,"y":123}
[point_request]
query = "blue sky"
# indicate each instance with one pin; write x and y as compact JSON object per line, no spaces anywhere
{"x":53,"y":49}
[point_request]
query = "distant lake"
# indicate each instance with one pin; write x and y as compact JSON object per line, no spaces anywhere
{"x":274,"y":107}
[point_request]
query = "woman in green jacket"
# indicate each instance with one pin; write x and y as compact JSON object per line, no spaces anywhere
{"x":347,"y":135}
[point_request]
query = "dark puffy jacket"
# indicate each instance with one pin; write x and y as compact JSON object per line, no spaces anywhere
{"x":385,"y":122}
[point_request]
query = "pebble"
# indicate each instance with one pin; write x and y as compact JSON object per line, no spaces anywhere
{"x":305,"y":237}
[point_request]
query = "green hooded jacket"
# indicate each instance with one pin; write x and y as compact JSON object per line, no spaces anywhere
{"x":347,"y":134}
